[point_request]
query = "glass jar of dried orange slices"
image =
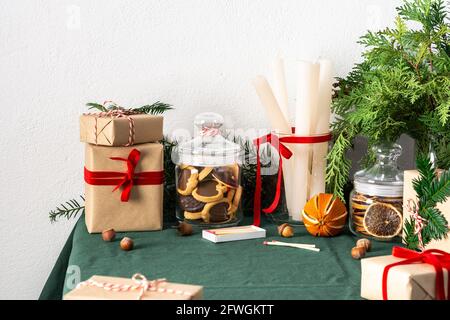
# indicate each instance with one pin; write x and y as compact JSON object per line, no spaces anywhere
{"x":377,"y":199}
{"x":208,"y":176}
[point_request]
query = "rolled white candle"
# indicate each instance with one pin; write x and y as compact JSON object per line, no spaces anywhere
{"x":276,"y":118}
{"x":321,"y":125}
{"x":270,"y":104}
{"x":307,"y":95}
{"x":281,"y":94}
{"x":279,"y":87}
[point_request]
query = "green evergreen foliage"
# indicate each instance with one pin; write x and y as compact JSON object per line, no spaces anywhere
{"x":431,"y":190}
{"x":154,"y":109}
{"x":401,"y":86}
{"x":70,"y":209}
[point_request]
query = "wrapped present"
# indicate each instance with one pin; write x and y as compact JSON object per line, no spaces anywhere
{"x":120,"y":127}
{"x":406,"y":275}
{"x":410,"y":195}
{"x":124,"y":187}
{"x":136,"y":288}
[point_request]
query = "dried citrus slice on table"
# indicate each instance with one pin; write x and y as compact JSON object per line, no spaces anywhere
{"x":383,"y":220}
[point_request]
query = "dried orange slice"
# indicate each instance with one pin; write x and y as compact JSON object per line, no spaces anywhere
{"x":383,"y":220}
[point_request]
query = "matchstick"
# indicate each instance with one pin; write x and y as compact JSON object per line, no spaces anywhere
{"x":292,"y":245}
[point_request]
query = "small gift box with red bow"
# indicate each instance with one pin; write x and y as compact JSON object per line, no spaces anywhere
{"x":406,"y":275}
{"x":124,"y":187}
{"x":136,"y":288}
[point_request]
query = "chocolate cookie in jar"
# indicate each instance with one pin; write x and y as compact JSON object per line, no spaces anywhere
{"x":377,"y":199}
{"x":208,"y":176}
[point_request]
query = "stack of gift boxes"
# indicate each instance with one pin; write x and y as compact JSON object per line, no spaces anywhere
{"x":124,"y":177}
{"x":407,"y":274}
{"x":123,"y":171}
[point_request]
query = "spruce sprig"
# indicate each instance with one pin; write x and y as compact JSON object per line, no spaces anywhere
{"x":431,"y":190}
{"x":69,"y":209}
{"x":154,"y":109}
{"x":402,"y":86}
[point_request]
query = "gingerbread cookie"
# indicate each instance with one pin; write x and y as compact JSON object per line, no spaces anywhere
{"x":193,"y":215}
{"x":187,"y":180}
{"x":188,"y":203}
{"x":209,"y":191}
{"x":227,"y":175}
{"x":204,"y":173}
{"x":216,"y":211}
{"x":230,"y":195}
{"x":237,"y":196}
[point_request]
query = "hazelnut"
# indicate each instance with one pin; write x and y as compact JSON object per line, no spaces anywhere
{"x":285,"y":230}
{"x":184,"y":229}
{"x":108,"y":235}
{"x":358,"y":252}
{"x":126,"y":244}
{"x":366,"y":243}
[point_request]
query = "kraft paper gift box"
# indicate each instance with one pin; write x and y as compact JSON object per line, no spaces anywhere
{"x":409,"y":193}
{"x":415,"y":281}
{"x":107,"y":208}
{"x":94,"y":289}
{"x":113,"y":131}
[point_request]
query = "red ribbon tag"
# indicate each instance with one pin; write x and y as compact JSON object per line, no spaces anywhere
{"x":284,"y":152}
{"x":127,"y":179}
{"x":437,"y":258}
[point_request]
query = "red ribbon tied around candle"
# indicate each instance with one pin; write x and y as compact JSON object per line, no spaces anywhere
{"x":127,"y":179}
{"x":284,"y":152}
{"x":437,"y":258}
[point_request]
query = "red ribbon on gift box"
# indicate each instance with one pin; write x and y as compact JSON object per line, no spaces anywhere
{"x":284,"y":152}
{"x":127,"y":179}
{"x":437,"y":258}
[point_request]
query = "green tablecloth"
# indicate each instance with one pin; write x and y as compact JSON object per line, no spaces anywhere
{"x":234,"y":270}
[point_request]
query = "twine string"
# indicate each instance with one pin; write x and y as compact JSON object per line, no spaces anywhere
{"x":209,"y":132}
{"x":116,"y":111}
{"x":419,"y":221}
{"x":140,"y":283}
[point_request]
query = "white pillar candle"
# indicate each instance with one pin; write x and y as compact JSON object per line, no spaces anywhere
{"x":278,"y":122}
{"x":281,"y":95}
{"x":279,"y":86}
{"x":270,"y":104}
{"x":321,"y":126}
{"x":307,"y":95}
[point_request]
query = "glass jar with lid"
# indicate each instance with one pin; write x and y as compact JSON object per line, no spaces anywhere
{"x":208,"y":176}
{"x":377,"y":199}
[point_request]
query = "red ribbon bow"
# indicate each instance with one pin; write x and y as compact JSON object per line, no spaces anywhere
{"x":437,"y":258}
{"x":127,"y":179}
{"x":284,"y":152}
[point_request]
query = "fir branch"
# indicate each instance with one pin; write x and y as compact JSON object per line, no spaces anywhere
{"x":96,"y":106}
{"x":154,"y":109}
{"x":69,"y":209}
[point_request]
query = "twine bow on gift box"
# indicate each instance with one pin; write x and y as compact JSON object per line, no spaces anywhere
{"x":141,"y":284}
{"x":125,"y":180}
{"x":116,"y":111}
{"x":283,"y":152}
{"x":437,"y":258}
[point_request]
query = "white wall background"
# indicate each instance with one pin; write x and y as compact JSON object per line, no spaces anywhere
{"x":56,"y":55}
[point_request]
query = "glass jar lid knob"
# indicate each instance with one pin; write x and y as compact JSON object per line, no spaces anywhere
{"x":208,"y":123}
